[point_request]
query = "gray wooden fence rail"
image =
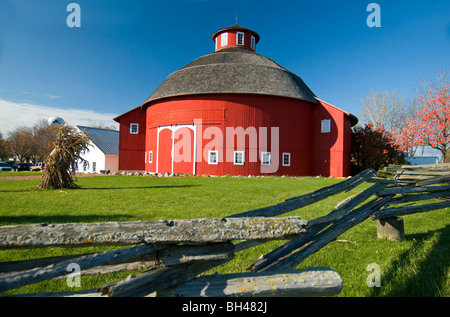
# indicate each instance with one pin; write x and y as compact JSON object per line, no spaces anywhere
{"x":172,"y":254}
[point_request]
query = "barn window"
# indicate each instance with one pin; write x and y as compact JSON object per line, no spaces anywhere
{"x":240,"y":38}
{"x":239,"y":158}
{"x":286,"y":159}
{"x":134,"y":128}
{"x":224,"y":39}
{"x":94,"y":167}
{"x":213,"y":157}
{"x":150,"y":156}
{"x":253,"y":43}
{"x":326,"y":126}
{"x":265,"y":158}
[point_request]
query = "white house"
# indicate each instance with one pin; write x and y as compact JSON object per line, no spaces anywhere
{"x":103,"y":154}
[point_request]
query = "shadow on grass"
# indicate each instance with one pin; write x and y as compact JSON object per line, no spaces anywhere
{"x":25,"y":190}
{"x":138,"y":187}
{"x":426,"y":278}
{"x":17,"y":220}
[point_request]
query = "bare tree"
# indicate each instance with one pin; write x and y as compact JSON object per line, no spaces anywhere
{"x":4,"y":148}
{"x":383,"y":110}
{"x":44,"y":137}
{"x":21,"y":144}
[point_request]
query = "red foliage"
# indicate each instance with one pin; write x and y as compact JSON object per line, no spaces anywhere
{"x":431,"y":123}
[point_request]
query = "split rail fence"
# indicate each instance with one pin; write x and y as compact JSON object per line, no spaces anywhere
{"x":172,"y":254}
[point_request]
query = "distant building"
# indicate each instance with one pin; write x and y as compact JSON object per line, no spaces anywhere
{"x":183,"y":126}
{"x":103,"y":154}
{"x":422,"y":160}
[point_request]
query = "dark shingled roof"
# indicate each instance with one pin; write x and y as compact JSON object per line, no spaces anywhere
{"x":233,"y":70}
{"x":106,"y":140}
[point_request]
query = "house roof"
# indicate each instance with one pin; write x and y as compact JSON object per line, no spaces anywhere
{"x":233,"y":70}
{"x":106,"y":140}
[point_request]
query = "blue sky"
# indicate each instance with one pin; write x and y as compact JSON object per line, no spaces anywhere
{"x":125,"y":49}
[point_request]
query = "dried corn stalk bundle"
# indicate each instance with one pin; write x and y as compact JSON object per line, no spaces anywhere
{"x":60,"y":166}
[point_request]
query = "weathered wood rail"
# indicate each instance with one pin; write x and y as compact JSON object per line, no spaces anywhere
{"x":172,"y":254}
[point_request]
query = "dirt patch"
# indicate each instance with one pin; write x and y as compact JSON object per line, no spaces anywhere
{"x":20,"y":178}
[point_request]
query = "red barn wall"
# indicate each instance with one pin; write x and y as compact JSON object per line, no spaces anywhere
{"x":293,"y":117}
{"x":132,"y":146}
{"x":331,"y":150}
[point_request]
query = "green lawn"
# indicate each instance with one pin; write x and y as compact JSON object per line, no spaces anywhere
{"x":417,"y":266}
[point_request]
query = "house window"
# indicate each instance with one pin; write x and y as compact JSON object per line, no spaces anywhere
{"x":239,"y":158}
{"x":286,"y":159}
{"x":134,"y":128}
{"x":150,"y":156}
{"x":240,"y":38}
{"x":94,"y":167}
{"x":224,"y":39}
{"x":326,"y":126}
{"x":265,"y":158}
{"x":85,"y":164}
{"x":213,"y":157}
{"x":253,"y":43}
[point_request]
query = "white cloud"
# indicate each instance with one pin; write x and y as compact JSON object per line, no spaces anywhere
{"x":14,"y":115}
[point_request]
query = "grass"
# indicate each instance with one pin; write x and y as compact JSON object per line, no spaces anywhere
{"x":417,"y":266}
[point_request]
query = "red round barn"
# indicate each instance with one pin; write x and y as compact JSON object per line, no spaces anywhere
{"x":235,"y":112}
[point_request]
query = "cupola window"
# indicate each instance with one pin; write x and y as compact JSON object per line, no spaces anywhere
{"x":224,"y":39}
{"x":240,"y":38}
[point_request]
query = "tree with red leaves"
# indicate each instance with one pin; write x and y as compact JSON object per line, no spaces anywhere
{"x":430,"y":126}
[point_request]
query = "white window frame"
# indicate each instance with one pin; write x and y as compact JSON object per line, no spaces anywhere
{"x":253,"y":43}
{"x":266,"y":158}
{"x":288,"y":156}
{"x":235,"y":156}
{"x":237,"y":38}
{"x":94,"y":167}
{"x":132,"y":125}
{"x":150,"y":156}
{"x":210,"y":161}
{"x":325,"y":126}
{"x":224,"y":39}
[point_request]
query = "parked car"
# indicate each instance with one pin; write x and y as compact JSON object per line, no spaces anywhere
{"x":37,"y":167}
{"x":22,"y":167}
{"x":4,"y":167}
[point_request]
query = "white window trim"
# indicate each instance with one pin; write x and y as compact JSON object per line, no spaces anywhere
{"x":325,"y":126}
{"x":237,"y":38}
{"x":243,"y":157}
{"x":224,"y":39}
{"x":217,"y":158}
{"x":287,"y":155}
{"x":262,"y":158}
{"x":94,"y":167}
{"x":253,"y":43}
{"x":150,"y":156}
{"x":131,"y":128}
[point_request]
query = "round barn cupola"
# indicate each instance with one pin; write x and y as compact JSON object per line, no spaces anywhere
{"x":235,"y":36}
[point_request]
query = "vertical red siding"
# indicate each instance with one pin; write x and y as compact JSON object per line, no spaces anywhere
{"x":292,"y":117}
{"x":132,"y":146}
{"x":331,"y":150}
